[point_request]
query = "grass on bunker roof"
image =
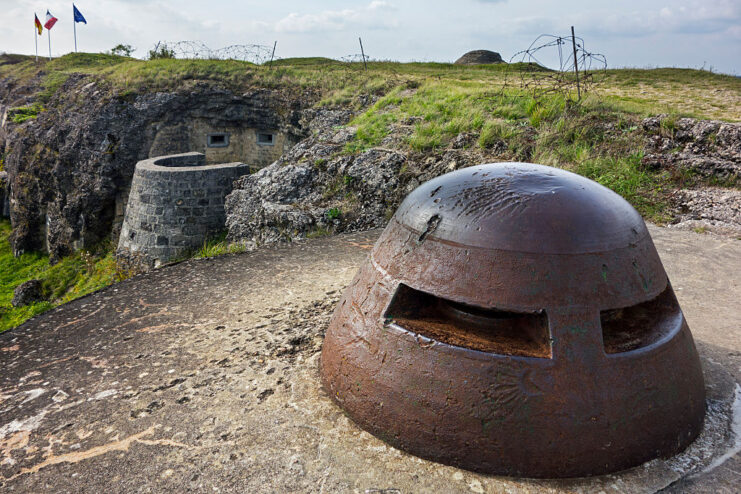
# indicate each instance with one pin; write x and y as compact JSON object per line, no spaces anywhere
{"x":685,"y":92}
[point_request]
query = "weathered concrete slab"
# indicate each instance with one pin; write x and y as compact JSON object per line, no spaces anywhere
{"x":203,"y":377}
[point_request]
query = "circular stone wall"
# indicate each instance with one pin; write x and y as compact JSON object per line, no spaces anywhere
{"x":175,"y":203}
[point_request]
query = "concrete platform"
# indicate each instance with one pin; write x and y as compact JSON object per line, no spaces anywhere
{"x":203,"y":377}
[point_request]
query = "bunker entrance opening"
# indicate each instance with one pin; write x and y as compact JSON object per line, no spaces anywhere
{"x":478,"y":328}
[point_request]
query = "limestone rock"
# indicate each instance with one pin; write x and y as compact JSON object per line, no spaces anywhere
{"x":710,"y":148}
{"x":27,"y":293}
{"x":315,"y":188}
{"x":709,"y":209}
{"x":4,"y":195}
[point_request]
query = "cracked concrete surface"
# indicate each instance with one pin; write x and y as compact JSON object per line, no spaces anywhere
{"x":203,"y":377}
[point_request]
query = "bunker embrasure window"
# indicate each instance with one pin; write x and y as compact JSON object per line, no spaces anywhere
{"x":640,"y":325}
{"x":220,"y":140}
{"x":478,"y":328}
{"x":265,"y":138}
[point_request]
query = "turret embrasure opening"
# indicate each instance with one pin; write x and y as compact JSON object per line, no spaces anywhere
{"x":485,"y":329}
{"x":640,"y":325}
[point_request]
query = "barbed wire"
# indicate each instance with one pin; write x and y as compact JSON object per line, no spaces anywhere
{"x":535,"y":76}
{"x":355,"y":58}
{"x":257,"y":54}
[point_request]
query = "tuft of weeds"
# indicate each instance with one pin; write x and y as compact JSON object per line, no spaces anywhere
{"x":218,"y":246}
{"x":20,"y":114}
{"x":52,"y":82}
{"x":319,"y":231}
{"x":496,"y":131}
{"x":626,"y":176}
{"x":669,"y":125}
{"x":333,"y":213}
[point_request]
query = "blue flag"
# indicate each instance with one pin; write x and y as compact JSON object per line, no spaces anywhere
{"x":78,"y":15}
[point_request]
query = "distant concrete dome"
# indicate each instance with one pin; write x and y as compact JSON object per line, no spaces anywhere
{"x":477,"y":57}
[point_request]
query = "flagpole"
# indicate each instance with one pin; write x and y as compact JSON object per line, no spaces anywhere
{"x":74,"y":25}
{"x":36,"y":37}
{"x":48,"y":32}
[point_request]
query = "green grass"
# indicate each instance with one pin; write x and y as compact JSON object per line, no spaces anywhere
{"x":20,"y":114}
{"x":218,"y":246}
{"x":72,"y":277}
{"x":595,"y":138}
{"x":303,"y":61}
{"x":642,"y":91}
{"x":319,"y":232}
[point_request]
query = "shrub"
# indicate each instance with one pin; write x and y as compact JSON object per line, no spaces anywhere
{"x":161,"y":51}
{"x":122,"y":50}
{"x":333,"y":213}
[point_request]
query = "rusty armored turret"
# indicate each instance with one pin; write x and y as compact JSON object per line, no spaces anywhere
{"x":516,"y":319}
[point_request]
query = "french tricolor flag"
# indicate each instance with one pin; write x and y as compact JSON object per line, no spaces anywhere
{"x":50,"y":20}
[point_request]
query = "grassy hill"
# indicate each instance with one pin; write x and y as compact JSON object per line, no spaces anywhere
{"x":599,"y":137}
{"x":685,"y":92}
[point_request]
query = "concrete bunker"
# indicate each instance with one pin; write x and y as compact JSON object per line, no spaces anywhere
{"x":258,"y":145}
{"x":176,"y":202}
{"x":480,"y":57}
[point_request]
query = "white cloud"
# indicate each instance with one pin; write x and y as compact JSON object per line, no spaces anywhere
{"x":697,"y":17}
{"x":373,"y":16}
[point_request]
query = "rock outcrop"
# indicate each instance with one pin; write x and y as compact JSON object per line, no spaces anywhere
{"x":707,"y":147}
{"x":26,"y":293}
{"x":315,"y":188}
{"x":710,"y":209}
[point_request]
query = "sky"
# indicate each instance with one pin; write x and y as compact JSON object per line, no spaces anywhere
{"x":630,"y":33}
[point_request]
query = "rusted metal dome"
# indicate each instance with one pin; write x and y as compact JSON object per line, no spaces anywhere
{"x":516,"y":319}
